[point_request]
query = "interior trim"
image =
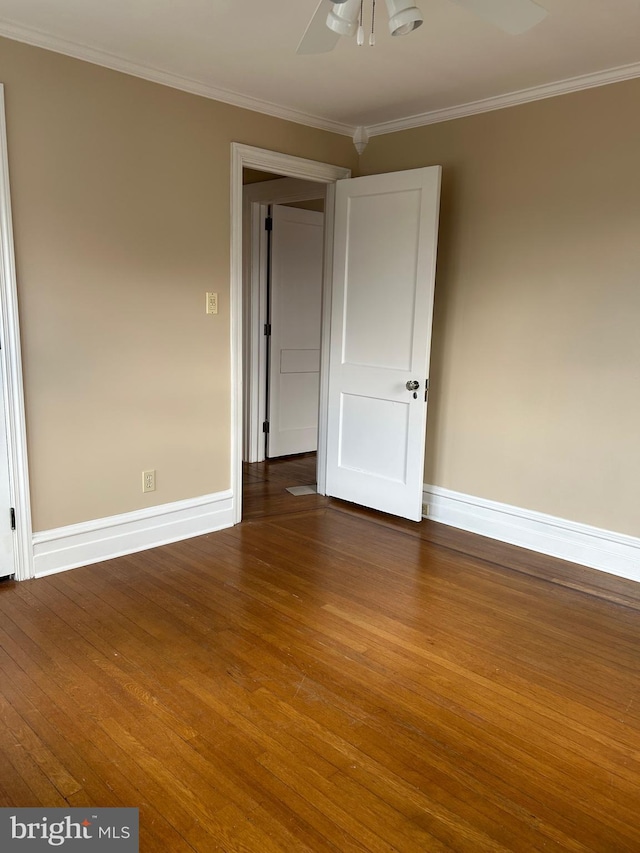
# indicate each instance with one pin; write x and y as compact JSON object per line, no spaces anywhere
{"x":11,"y":366}
{"x":510,"y":99}
{"x":614,"y":553}
{"x":38,"y":38}
{"x":78,"y":545}
{"x":292,"y":167}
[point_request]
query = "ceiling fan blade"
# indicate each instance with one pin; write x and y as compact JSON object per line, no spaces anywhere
{"x":318,"y":38}
{"x":512,"y":16}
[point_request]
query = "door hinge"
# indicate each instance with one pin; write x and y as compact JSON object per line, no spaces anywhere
{"x":267,"y":329}
{"x":265,"y":426}
{"x":268,"y":223}
{"x":13,"y":518}
{"x":426,"y":389}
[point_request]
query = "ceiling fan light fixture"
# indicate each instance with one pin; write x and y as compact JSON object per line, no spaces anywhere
{"x":343,"y":17}
{"x":404,"y":17}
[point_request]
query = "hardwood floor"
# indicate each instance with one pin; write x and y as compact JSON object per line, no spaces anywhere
{"x":322,"y":678}
{"x":266,"y":484}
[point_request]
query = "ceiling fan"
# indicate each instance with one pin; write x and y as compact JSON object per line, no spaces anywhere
{"x":335,"y":18}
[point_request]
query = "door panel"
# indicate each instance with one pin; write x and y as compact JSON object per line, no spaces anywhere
{"x":296,"y":296}
{"x":386,"y":422}
{"x":383,"y":285}
{"x":379,"y":323}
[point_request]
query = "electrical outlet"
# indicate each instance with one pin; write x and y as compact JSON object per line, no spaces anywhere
{"x":148,"y":481}
{"x":212,"y":303}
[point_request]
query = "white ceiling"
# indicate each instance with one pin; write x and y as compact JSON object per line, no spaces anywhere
{"x":244,"y":52}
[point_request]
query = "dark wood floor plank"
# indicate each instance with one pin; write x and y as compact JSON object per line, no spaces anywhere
{"x":416,"y":723}
{"x":325,"y":679}
{"x":22,"y":734}
{"x":290,"y":805}
{"x":588,"y":659}
{"x":112,"y":767}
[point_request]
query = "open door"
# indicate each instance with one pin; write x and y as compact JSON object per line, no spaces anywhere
{"x":385,"y":241}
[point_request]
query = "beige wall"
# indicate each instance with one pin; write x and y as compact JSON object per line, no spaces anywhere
{"x":120,"y":193}
{"x":536,"y":348}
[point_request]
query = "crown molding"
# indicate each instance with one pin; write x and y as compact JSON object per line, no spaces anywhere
{"x":511,"y":99}
{"x":38,"y":38}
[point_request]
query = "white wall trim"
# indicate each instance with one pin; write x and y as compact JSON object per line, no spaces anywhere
{"x":105,"y":538}
{"x":510,"y":99}
{"x":76,"y":50}
{"x":254,"y":240}
{"x":614,"y":553}
{"x":12,"y":371}
{"x":96,"y":56}
{"x":327,"y":293}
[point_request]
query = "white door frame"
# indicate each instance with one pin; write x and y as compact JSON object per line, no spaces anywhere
{"x":246,"y":156}
{"x":11,"y":366}
{"x":256,"y":200}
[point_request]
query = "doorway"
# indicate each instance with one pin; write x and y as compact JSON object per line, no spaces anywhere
{"x":280,"y":486}
{"x":377,"y":306}
{"x":283,"y":243}
{"x":246,"y":313}
{"x":283,"y":248}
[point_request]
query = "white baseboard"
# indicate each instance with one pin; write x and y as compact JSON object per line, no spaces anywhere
{"x":105,"y":538}
{"x":610,"y":552}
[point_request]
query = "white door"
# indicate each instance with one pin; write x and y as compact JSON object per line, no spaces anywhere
{"x":297,"y":241}
{"x":7,"y":536}
{"x":383,"y":283}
